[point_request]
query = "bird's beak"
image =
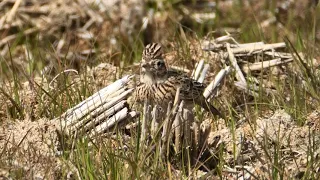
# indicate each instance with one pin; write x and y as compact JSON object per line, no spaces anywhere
{"x":145,"y":65}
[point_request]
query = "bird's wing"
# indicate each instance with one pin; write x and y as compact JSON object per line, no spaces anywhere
{"x":189,"y":88}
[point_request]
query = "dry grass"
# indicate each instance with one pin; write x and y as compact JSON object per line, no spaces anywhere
{"x":272,"y":133}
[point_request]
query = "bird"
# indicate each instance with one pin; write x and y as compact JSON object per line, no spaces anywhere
{"x":159,"y":83}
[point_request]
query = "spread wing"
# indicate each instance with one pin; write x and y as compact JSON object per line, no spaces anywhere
{"x":189,"y":88}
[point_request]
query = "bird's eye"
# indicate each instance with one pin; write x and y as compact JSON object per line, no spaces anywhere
{"x":160,"y":63}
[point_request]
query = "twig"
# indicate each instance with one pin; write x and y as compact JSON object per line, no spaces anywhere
{"x":177,"y":127}
{"x":94,"y":121}
{"x":203,"y":73}
{"x":121,"y":115}
{"x":235,"y":65}
{"x":250,"y":45}
{"x":195,"y":142}
{"x":197,"y":72}
{"x":177,"y":97}
{"x":166,"y":130}
{"x":145,"y":120}
{"x":211,"y":89}
{"x":155,"y":121}
{"x":187,"y":119}
{"x":257,"y":48}
{"x":217,"y":43}
{"x":13,"y":10}
{"x":279,"y":54}
{"x":171,"y":113}
{"x":97,"y":98}
{"x":95,"y":109}
{"x":264,"y":64}
{"x":91,"y":110}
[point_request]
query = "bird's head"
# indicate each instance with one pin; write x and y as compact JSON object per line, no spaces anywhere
{"x":153,"y":67}
{"x":153,"y":71}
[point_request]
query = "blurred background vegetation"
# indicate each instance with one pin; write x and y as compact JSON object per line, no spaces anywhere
{"x":60,"y":34}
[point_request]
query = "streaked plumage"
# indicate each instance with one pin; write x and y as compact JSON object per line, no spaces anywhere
{"x":151,"y":51}
{"x":160,"y":84}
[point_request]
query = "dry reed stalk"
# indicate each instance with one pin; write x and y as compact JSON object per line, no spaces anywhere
{"x":119,"y":116}
{"x":235,"y":65}
{"x":93,"y":120}
{"x":212,"y":87}
{"x":265,"y":64}
{"x":255,"y":48}
{"x":145,"y":120}
{"x":187,"y":118}
{"x":100,"y":111}
{"x":196,"y":73}
{"x":166,"y":130}
{"x":155,"y":123}
{"x":178,"y":128}
{"x":196,"y":142}
{"x":203,"y":73}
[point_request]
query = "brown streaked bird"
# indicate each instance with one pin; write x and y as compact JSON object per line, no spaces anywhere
{"x":159,"y":84}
